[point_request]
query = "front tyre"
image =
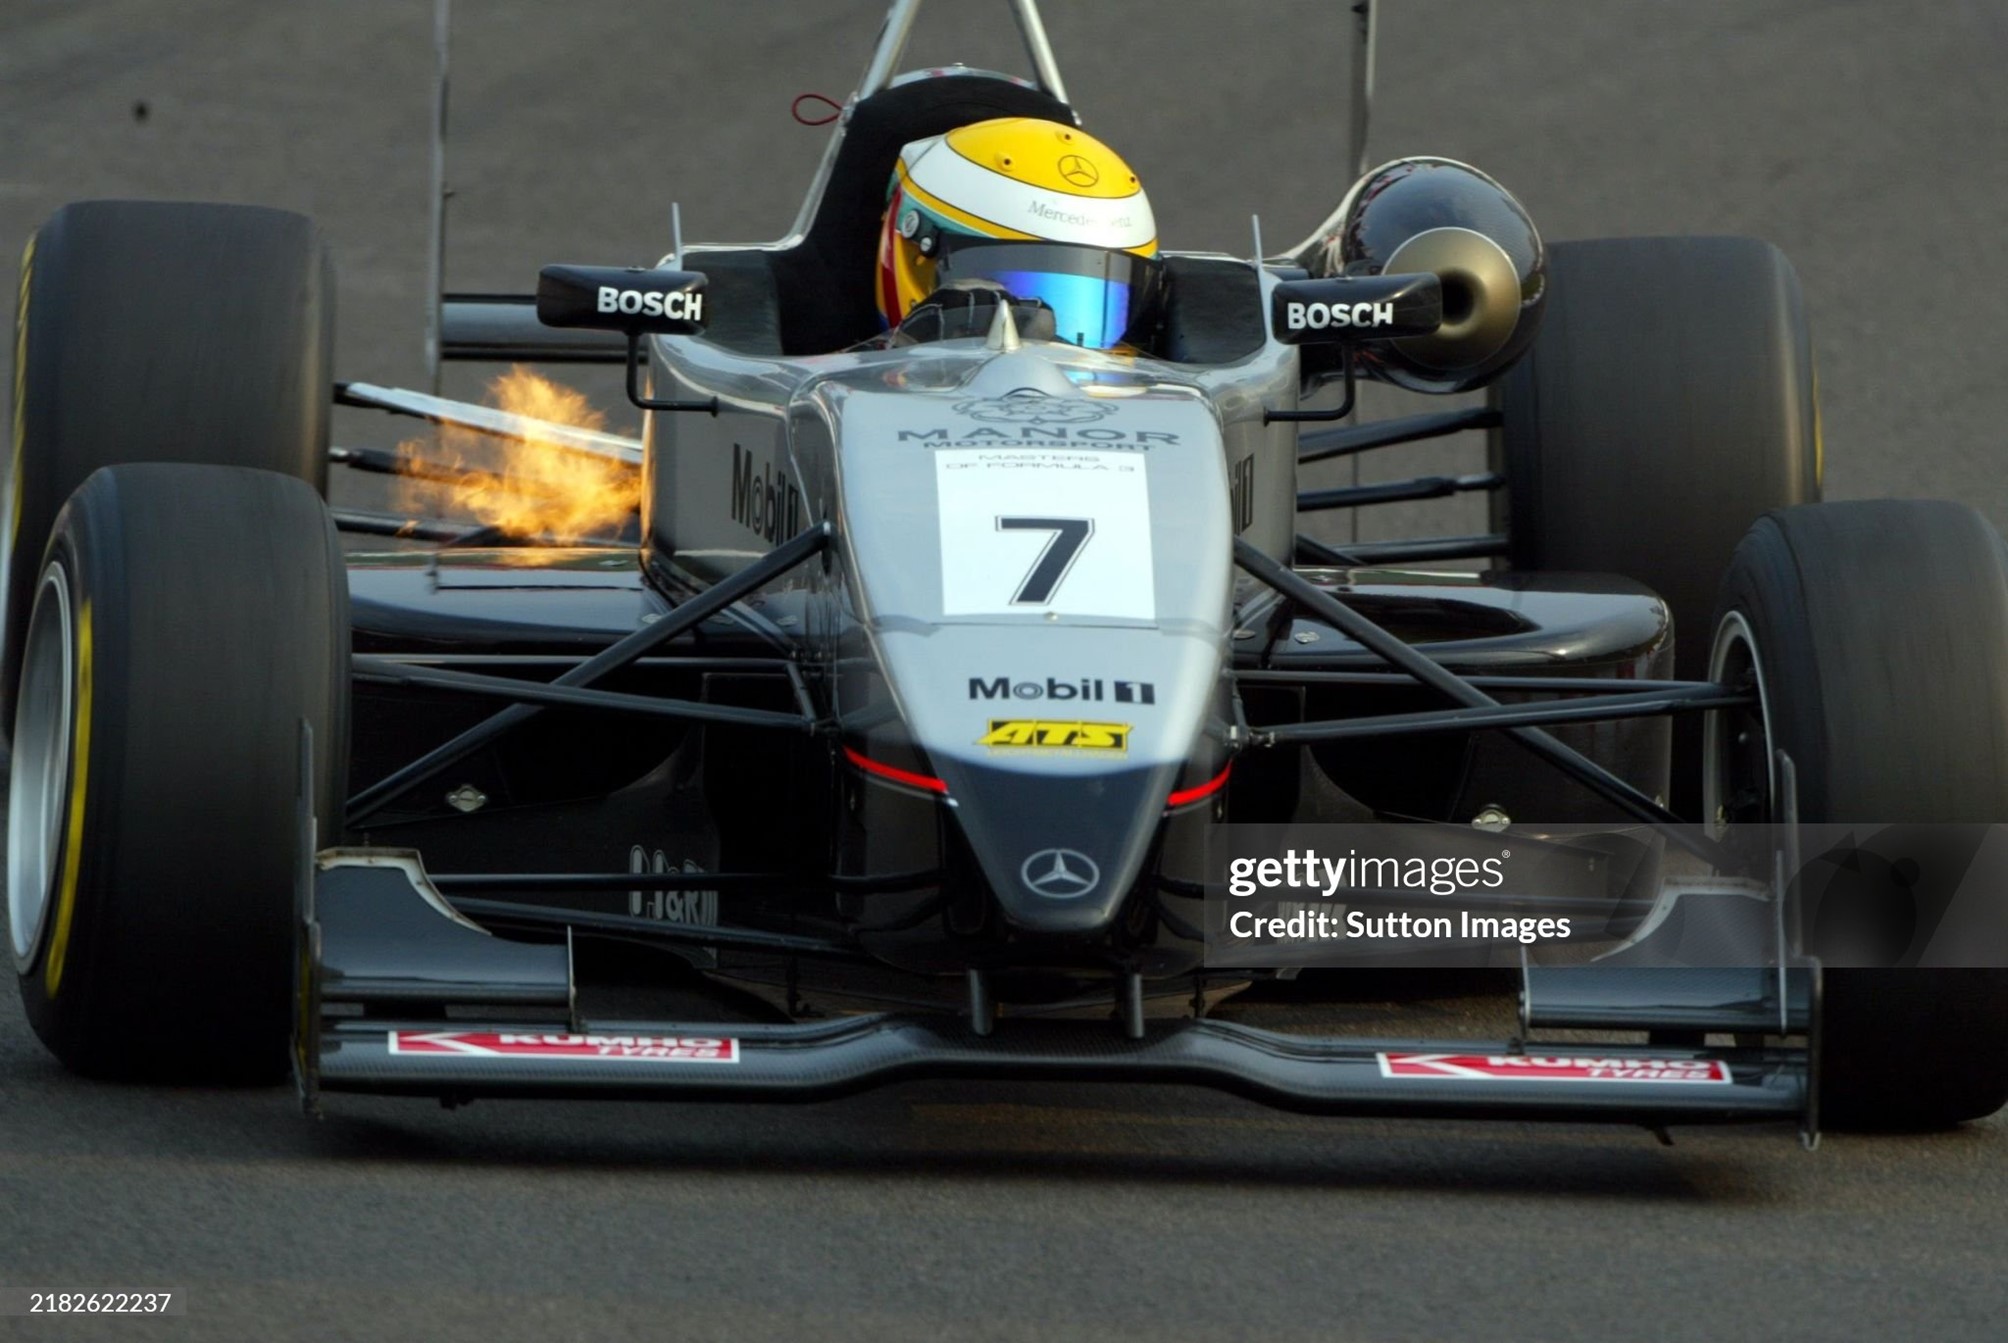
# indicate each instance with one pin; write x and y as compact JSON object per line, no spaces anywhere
{"x":1876,"y":635}
{"x":187,"y":620}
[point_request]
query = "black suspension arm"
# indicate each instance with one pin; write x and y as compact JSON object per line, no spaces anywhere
{"x":1397,"y":491}
{"x":510,"y":914}
{"x":1561,"y":685}
{"x":382,"y":671}
{"x":882,"y":883}
{"x":617,"y":655}
{"x":1587,"y":709}
{"x":1319,"y":444}
{"x":1455,"y":688}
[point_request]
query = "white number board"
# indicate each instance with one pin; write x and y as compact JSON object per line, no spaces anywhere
{"x":1035,"y":530}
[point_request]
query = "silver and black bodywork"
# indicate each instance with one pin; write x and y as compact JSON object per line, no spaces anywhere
{"x":936,"y":662}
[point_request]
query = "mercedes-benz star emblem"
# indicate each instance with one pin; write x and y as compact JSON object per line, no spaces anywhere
{"x":1079,"y":171}
{"x":1060,"y":874}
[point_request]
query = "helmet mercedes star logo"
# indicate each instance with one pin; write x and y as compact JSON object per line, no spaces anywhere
{"x":1060,"y":874}
{"x":1079,"y":171}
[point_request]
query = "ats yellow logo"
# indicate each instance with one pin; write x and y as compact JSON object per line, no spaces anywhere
{"x":1043,"y":732}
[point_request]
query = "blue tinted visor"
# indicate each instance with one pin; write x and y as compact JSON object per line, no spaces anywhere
{"x":1099,"y":298}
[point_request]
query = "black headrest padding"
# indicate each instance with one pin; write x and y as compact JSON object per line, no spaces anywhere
{"x":827,"y":280}
{"x":1213,"y":311}
{"x":743,"y":303}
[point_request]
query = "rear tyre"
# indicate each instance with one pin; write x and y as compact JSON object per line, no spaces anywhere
{"x":153,"y":331}
{"x":1877,"y":635}
{"x":1667,"y":404}
{"x":188,"y":619}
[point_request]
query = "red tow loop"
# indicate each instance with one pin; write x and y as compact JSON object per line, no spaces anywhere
{"x":795,"y":109}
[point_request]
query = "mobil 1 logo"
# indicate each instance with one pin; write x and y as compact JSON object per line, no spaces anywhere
{"x":764,"y":500}
{"x":1082,"y":690}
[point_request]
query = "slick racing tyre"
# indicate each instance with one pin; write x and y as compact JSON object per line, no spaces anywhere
{"x":1668,"y":402}
{"x":186,"y":621}
{"x":160,"y":332}
{"x":1876,"y":635}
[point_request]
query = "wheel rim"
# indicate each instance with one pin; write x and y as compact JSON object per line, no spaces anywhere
{"x":40,"y":775}
{"x":1738,"y":770}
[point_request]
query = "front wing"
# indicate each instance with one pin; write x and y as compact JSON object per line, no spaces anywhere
{"x":385,"y":956}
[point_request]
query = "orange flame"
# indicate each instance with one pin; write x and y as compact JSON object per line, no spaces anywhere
{"x":533,"y":487}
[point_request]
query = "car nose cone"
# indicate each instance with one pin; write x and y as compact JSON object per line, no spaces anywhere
{"x":1058,"y":851}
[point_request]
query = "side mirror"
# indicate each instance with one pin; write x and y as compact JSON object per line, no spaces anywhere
{"x":614,"y":298}
{"x":1349,"y":309}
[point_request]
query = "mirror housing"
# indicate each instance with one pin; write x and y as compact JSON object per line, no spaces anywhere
{"x":633,"y":299}
{"x":1344,"y":310}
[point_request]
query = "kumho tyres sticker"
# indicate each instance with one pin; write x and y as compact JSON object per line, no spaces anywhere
{"x":497,"y":1045}
{"x":1549,"y":1068}
{"x":1036,"y":733}
{"x":1042,"y":531}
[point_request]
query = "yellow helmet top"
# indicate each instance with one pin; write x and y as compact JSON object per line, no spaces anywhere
{"x":1015,"y":179}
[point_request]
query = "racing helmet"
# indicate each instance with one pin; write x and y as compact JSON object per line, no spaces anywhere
{"x":1038,"y":208}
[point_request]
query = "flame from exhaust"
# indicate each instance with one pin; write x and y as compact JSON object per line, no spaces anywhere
{"x":533,"y":487}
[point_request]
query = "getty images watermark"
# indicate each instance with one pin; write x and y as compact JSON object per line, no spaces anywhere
{"x":1418,"y":894}
{"x":1330,"y":876}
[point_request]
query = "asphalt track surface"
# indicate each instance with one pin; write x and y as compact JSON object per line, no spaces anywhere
{"x":1862,"y":137}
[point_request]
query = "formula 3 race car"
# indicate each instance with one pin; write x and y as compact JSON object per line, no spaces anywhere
{"x":941,"y":655}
